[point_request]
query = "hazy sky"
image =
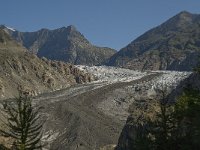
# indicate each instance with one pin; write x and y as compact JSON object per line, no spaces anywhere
{"x":111,"y":23}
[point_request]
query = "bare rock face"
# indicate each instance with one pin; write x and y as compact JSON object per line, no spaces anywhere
{"x":22,"y":71}
{"x":174,"y":45}
{"x":63,"y":44}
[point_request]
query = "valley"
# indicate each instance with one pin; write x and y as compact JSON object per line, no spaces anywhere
{"x":92,"y":115}
{"x":93,"y":97}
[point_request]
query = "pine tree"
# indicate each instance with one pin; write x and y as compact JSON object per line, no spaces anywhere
{"x":176,"y":126}
{"x":23,"y":124}
{"x":156,"y":132}
{"x":187,"y":112}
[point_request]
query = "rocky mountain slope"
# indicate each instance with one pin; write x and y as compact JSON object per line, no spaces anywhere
{"x":63,"y":44}
{"x":174,"y":45}
{"x":20,"y":70}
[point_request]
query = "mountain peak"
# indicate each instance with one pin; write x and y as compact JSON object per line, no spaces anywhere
{"x":172,"y":45}
{"x":68,"y":29}
{"x":179,"y":21}
{"x":71,"y":28}
{"x":7,"y":28}
{"x":7,"y":41}
{"x":63,"y":44}
{"x":12,"y":29}
{"x":185,"y":13}
{"x":2,"y":26}
{"x":184,"y":18}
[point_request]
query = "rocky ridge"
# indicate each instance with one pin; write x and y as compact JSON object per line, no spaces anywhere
{"x":21,"y":70}
{"x":62,"y":44}
{"x":173,"y":45}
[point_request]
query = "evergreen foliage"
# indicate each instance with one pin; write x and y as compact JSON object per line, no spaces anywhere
{"x":23,"y":124}
{"x":176,"y":127}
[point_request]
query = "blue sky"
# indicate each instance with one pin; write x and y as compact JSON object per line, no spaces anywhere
{"x":111,"y":23}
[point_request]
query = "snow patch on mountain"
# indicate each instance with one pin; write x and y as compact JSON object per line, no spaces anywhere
{"x":11,"y":29}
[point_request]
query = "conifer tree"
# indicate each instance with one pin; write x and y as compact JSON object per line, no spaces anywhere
{"x":176,"y":126}
{"x":23,"y":123}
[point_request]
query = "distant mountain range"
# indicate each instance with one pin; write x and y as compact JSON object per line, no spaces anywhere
{"x":22,"y":71}
{"x":91,"y":115}
{"x":174,"y":45}
{"x":63,"y":44}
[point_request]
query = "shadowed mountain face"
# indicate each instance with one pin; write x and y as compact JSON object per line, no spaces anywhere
{"x":174,"y":45}
{"x":20,"y":70}
{"x":63,"y":44}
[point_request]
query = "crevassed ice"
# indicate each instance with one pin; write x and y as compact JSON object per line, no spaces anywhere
{"x":114,"y":74}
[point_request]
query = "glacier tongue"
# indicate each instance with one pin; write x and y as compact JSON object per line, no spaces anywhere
{"x":113,"y":74}
{"x":140,"y":87}
{"x":96,"y":112}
